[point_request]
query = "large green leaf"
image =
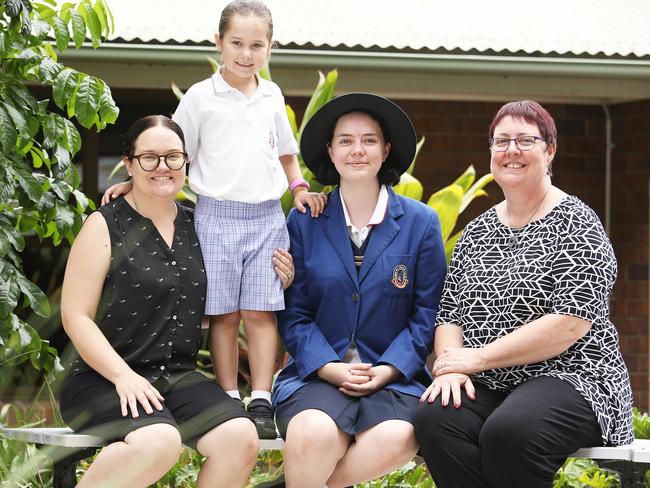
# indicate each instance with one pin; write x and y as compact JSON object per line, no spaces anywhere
{"x":100,"y":10}
{"x":87,"y":101}
{"x":9,"y":294}
{"x":11,"y":235}
{"x":92,"y":21}
{"x":476,"y":190}
{"x":39,"y":31}
{"x":467,"y":178}
{"x":110,"y":22}
{"x":64,"y":217}
{"x":61,"y":34}
{"x":17,"y":117}
{"x":108,"y":111}
{"x":409,"y":186}
{"x":447,"y":203}
{"x":22,"y":97}
{"x":78,"y":28}
{"x":36,"y":297}
{"x":418,"y":147}
{"x":7,"y":131}
{"x":322,"y":94}
{"x":71,"y":137}
{"x":64,"y":87}
{"x":53,"y":128}
{"x":291,"y":115}
{"x":29,"y":183}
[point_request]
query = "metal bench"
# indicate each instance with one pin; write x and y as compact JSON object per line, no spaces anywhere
{"x":66,"y":448}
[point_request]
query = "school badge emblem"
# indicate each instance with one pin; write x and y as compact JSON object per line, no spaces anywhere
{"x":400,"y":276}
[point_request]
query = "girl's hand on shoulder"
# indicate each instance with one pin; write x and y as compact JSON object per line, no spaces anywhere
{"x":447,"y":384}
{"x":339,"y":373}
{"x":133,"y":389}
{"x":115,"y":191}
{"x":315,"y":201}
{"x":379,"y":376}
{"x":283,"y":263}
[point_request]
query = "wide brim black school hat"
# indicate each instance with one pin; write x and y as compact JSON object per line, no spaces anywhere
{"x":319,"y":129}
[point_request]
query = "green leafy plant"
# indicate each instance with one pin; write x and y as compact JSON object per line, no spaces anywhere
{"x":411,"y":475}
{"x":39,"y":183}
{"x":452,"y":200}
{"x":583,"y":473}
{"x":641,"y":423}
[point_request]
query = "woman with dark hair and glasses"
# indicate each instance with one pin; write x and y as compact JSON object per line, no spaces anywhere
{"x":524,"y":346}
{"x":132,"y":303}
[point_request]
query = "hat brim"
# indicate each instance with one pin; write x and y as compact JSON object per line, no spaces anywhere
{"x":400,"y":131}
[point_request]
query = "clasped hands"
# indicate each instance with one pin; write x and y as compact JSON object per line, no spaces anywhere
{"x":358,"y":379}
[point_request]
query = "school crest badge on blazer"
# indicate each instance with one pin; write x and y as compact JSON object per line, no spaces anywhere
{"x":400,"y":276}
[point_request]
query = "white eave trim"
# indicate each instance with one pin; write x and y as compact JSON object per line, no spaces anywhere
{"x":371,"y":61}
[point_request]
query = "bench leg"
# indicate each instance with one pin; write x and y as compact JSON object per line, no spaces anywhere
{"x":65,"y":466}
{"x":65,"y":474}
{"x":631,"y":474}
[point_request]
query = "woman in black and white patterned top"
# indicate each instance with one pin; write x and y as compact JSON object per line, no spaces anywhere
{"x":524,"y":345}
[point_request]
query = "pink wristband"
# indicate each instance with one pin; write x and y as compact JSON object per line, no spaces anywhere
{"x":298,"y":182}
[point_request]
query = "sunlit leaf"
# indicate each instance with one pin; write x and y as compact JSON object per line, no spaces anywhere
{"x":61,"y":34}
{"x":409,"y":186}
{"x":87,"y":101}
{"x":78,"y":28}
{"x":447,"y":203}
{"x":64,"y":87}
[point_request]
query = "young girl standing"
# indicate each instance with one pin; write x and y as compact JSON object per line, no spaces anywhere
{"x":243,"y":155}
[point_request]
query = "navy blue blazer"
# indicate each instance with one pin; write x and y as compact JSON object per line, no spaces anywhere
{"x":388,"y":309}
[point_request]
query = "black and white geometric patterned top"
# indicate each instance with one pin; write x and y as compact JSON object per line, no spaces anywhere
{"x":561,"y":264}
{"x":153,"y":297}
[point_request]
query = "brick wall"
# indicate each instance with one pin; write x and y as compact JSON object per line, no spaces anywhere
{"x":456,"y":135}
{"x":630,"y":179}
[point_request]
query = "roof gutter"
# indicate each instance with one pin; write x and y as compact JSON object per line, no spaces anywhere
{"x":363,"y":60}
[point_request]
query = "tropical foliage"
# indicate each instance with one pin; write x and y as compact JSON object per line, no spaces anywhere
{"x":39,"y":194}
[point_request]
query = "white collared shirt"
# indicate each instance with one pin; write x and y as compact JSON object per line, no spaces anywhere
{"x":234,"y":142}
{"x":358,"y":236}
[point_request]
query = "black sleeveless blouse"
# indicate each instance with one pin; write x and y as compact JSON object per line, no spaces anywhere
{"x":153,"y":298}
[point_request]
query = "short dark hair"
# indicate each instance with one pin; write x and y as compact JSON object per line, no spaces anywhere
{"x":387,"y":174}
{"x":141,"y":125}
{"x":533,"y":113}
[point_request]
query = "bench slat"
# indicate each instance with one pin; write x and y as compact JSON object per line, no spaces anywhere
{"x":65,"y":437}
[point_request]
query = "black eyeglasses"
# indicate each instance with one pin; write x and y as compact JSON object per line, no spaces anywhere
{"x":174,"y":160}
{"x":523,"y":143}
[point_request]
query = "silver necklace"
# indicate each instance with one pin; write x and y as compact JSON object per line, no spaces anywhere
{"x":513,"y":240}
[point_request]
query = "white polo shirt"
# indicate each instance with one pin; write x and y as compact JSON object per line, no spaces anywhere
{"x":234,"y":142}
